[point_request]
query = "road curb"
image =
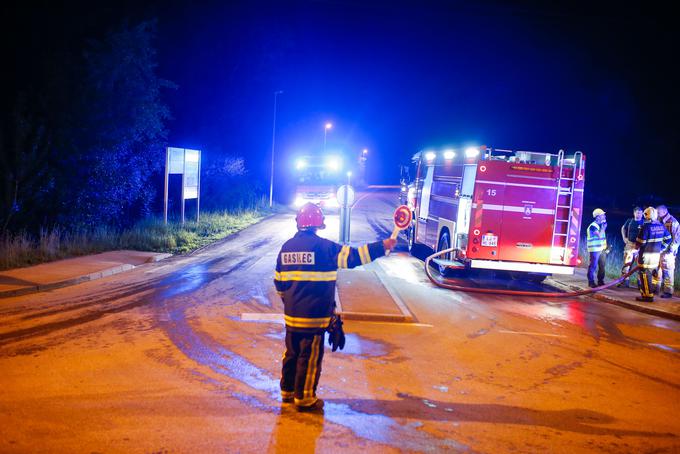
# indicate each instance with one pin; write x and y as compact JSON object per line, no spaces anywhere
{"x":617,"y":302}
{"x":373,"y":317}
{"x":78,"y":279}
{"x":404,"y":317}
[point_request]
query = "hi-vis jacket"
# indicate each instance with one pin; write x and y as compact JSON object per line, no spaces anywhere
{"x":651,"y":240}
{"x":306,"y":271}
{"x":596,"y":238}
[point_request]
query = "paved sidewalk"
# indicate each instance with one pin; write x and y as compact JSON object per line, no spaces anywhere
{"x":625,"y":297}
{"x":72,"y":271}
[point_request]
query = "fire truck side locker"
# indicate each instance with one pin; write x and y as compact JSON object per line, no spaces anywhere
{"x":423,"y":217}
{"x":465,"y":205}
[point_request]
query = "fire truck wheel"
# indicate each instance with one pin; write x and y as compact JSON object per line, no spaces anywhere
{"x":410,"y":235}
{"x":444,"y":243}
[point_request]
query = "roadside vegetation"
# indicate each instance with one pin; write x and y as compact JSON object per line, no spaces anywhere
{"x":151,"y":234}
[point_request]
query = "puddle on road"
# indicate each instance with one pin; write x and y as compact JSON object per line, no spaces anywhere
{"x":356,"y":345}
{"x":185,"y":281}
{"x":191,"y":278}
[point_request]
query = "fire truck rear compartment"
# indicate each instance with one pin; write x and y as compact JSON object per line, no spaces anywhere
{"x":519,"y":215}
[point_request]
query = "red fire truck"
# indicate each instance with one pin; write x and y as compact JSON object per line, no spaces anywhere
{"x":518,"y":211}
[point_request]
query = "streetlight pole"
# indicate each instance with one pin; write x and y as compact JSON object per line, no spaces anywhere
{"x":325,"y":132}
{"x":271,"y":177}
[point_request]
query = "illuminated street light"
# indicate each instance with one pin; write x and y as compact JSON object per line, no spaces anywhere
{"x":449,"y":154}
{"x":271,"y":178}
{"x":430,"y":155}
{"x":328,"y":126}
{"x":349,"y":176}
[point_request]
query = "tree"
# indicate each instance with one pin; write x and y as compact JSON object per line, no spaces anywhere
{"x":120,"y":138}
{"x":25,"y":141}
{"x":84,"y":134}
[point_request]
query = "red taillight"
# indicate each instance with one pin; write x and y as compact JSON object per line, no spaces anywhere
{"x":578,"y":261}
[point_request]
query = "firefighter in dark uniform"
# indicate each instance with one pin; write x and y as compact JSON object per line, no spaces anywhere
{"x":306,"y":271}
{"x":651,"y":240}
{"x":629,"y":233}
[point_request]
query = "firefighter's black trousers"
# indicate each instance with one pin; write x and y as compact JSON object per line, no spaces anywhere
{"x":301,"y":367}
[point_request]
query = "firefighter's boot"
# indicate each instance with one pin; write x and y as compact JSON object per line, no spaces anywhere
{"x":315,"y":407}
{"x":646,"y":299}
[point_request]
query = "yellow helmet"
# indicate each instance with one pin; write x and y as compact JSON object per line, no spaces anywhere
{"x":651,"y":214}
{"x":597,"y":212}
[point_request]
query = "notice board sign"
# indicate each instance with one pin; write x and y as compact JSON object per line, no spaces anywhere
{"x":186,"y":162}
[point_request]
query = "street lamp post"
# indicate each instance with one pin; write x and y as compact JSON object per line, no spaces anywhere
{"x":325,"y":132}
{"x":271,"y":177}
{"x":362,"y":167}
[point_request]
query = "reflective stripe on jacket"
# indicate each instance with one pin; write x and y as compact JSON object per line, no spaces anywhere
{"x":596,"y":238}
{"x":306,"y":271}
{"x":652,"y":239}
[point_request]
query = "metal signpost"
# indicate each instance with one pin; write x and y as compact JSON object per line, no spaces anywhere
{"x":345,"y":197}
{"x":186,"y":162}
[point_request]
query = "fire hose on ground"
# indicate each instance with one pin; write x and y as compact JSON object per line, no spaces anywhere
{"x":448,"y":285}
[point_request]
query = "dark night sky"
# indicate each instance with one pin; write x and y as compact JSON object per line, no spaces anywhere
{"x":396,"y":77}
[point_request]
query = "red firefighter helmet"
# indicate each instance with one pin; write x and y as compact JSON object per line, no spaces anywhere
{"x":310,"y":216}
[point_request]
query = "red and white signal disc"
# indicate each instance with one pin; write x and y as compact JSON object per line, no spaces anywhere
{"x":402,"y":217}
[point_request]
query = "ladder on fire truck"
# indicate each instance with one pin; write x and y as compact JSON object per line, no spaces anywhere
{"x":564,"y":203}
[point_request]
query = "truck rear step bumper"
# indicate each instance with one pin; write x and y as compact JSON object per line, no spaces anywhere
{"x":522,"y":266}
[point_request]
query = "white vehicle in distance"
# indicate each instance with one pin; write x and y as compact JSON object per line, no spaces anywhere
{"x":317,"y":180}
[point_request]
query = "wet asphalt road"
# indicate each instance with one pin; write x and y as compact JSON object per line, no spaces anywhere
{"x":159,"y":360}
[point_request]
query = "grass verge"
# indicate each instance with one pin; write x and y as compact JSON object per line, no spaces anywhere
{"x":151,"y":234}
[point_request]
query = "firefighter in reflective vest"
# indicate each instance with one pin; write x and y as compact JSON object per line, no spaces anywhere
{"x":306,"y":271}
{"x":652,"y":239}
{"x":667,"y":260}
{"x":597,"y":247}
{"x":629,"y":233}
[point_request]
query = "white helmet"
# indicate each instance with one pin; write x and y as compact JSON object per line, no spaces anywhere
{"x":651,"y":214}
{"x":597,"y":212}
